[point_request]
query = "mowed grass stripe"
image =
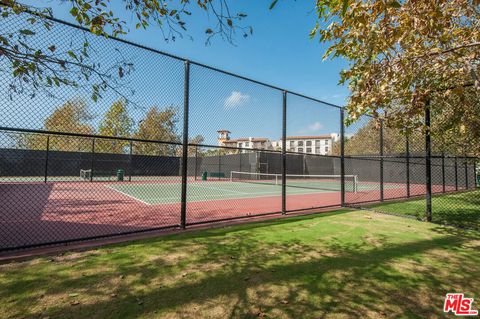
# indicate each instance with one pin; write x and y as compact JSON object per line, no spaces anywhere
{"x":344,"y":264}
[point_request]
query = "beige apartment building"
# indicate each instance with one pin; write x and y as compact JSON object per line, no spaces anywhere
{"x":312,"y":144}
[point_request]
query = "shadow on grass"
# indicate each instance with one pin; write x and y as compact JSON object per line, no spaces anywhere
{"x":459,"y":209}
{"x":345,"y":278}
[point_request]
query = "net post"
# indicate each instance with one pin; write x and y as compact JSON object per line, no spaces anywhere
{"x":407,"y":160}
{"x":93,"y":160}
{"x":183,"y":208}
{"x":284,"y":153}
{"x":130,"y":166}
{"x":46,"y":158}
{"x":342,"y":157}
{"x":428,"y":163}
{"x":443,"y":173}
{"x":381,"y":162}
{"x":456,"y":173}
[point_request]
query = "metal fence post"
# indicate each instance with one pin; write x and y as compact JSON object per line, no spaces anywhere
{"x":381,"y":162}
{"x":46,"y":158}
{"x":130,"y":166}
{"x":475,"y":172}
{"x":443,"y":173}
{"x":466,"y":172}
{"x":428,"y":163}
{"x":284,"y":153}
{"x":342,"y":157}
{"x":407,"y":149}
{"x":186,"y":88}
{"x":219,"y":164}
{"x":456,"y":174}
{"x":240,"y":160}
{"x":92,"y":164}
{"x":196,"y":156}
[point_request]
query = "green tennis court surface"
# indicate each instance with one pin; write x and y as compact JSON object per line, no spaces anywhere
{"x":169,"y":193}
{"x":153,"y":194}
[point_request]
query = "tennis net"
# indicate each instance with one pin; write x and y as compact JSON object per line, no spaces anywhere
{"x":323,"y":182}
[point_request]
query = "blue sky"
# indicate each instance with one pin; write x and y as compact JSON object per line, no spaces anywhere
{"x":279,"y":52}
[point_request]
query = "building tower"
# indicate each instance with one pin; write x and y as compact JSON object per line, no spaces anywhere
{"x":223,"y":135}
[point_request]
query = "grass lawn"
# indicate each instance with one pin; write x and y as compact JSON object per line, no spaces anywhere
{"x":346,"y":264}
{"x":460,"y":209}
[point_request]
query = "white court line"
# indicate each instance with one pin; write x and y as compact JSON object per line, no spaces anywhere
{"x":132,"y":197}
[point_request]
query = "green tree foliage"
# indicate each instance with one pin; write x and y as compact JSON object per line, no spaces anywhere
{"x":118,"y":123}
{"x":221,"y":151}
{"x":158,"y":125}
{"x":403,"y":53}
{"x":71,"y":117}
{"x":195,"y":150}
{"x":36,"y":65}
{"x":366,"y":141}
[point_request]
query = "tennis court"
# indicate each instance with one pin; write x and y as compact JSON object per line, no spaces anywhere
{"x":240,"y":185}
{"x":68,"y":208}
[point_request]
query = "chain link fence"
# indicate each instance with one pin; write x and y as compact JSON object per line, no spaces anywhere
{"x":143,"y":141}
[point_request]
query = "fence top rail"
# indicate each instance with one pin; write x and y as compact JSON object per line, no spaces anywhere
{"x":259,"y":150}
{"x":310,"y":155}
{"x":176,"y":57}
{"x":91,"y":136}
{"x":405,"y":155}
{"x":233,"y":148}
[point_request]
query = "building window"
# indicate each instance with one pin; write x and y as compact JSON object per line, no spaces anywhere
{"x":300,"y":143}
{"x":326,"y":149}
{"x":309,"y":149}
{"x":247,"y":144}
{"x":300,"y":150}
{"x":292,"y":143}
{"x":317,"y":143}
{"x":309,"y":143}
{"x":317,"y":150}
{"x":239,"y":144}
